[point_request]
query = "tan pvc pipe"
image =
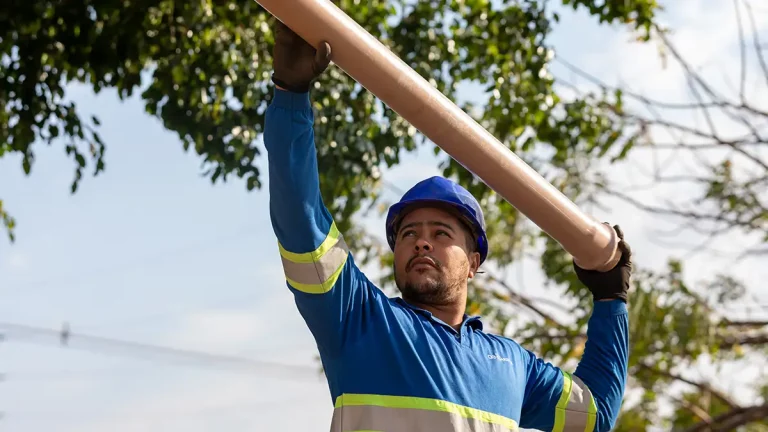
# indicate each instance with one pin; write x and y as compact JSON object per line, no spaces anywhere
{"x":592,"y":244}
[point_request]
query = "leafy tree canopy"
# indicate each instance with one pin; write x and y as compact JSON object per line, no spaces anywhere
{"x":202,"y":68}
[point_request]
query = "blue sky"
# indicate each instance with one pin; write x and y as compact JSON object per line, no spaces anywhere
{"x":151,"y":252}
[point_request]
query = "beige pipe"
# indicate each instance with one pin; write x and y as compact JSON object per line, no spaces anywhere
{"x":592,"y":244}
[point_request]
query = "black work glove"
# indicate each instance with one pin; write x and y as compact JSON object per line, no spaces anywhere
{"x":612,"y":284}
{"x":296,"y":63}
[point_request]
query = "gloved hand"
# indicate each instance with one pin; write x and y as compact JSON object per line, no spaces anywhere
{"x":612,"y":284}
{"x":296,"y":63}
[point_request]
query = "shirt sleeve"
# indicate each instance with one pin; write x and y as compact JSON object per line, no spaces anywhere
{"x":331,"y":293}
{"x":590,"y":398}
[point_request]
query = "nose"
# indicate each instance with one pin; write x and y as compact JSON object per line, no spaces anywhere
{"x":422,"y":245}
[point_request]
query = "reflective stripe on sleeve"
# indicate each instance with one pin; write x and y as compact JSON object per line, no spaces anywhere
{"x":362,"y":412}
{"x":576,"y":410}
{"x":316,"y":272}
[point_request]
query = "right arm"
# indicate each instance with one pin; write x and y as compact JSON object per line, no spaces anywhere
{"x":331,"y":293}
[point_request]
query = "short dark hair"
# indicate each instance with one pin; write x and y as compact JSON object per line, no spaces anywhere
{"x":471,"y":237}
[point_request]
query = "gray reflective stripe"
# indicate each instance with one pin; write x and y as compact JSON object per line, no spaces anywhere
{"x":580,"y":399}
{"x":378,"y":418}
{"x":580,"y":414}
{"x":316,"y":275}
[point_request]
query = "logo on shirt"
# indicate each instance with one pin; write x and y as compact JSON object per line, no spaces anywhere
{"x":499,"y":358}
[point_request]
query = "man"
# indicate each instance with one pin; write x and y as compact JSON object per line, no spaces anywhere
{"x":419,"y":363}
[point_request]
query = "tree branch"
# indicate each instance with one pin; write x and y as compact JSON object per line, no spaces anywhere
{"x":701,"y":386}
{"x":523,"y":300}
{"x":748,"y":224}
{"x":754,"y":252}
{"x":742,"y":53}
{"x":698,"y":80}
{"x":729,"y":342}
{"x":732,"y":419}
{"x":754,"y":324}
{"x":734,"y":144}
{"x":698,"y":146}
{"x":693,"y":409}
{"x":718,"y":103}
{"x":756,"y":40}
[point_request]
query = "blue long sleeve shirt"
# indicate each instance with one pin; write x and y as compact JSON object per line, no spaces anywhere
{"x":391,"y":366}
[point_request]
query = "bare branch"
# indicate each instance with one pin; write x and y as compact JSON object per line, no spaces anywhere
{"x":754,"y":252}
{"x":689,"y":71}
{"x":698,"y":80}
{"x":706,"y":111}
{"x":755,"y":324}
{"x":732,"y":419}
{"x":656,"y":180}
{"x":699,"y":146}
{"x":731,"y":341}
{"x":756,"y":41}
{"x":742,"y":53}
{"x":694,"y":409}
{"x":749,"y":224}
{"x":523,"y":300}
{"x":700,"y":385}
{"x":719,"y":102}
{"x":732,"y":143}
{"x":602,"y":85}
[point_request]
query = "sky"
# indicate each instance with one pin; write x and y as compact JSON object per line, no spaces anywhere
{"x":151,"y":252}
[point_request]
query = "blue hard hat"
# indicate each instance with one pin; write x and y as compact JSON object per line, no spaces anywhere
{"x":441,"y":191}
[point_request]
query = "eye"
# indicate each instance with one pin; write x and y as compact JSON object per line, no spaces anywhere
{"x":407,"y":233}
{"x":442,"y":232}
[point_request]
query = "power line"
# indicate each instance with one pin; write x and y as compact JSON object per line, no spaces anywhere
{"x":66,"y":338}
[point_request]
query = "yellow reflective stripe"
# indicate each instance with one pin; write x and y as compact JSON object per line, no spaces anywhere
{"x":405,"y":402}
{"x":592,"y":417}
{"x":316,"y":272}
{"x":563,"y":402}
{"x":312,"y":257}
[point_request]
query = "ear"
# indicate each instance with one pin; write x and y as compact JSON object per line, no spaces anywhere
{"x":474,"y":264}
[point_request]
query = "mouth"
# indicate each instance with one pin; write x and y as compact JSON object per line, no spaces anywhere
{"x":421,"y":262}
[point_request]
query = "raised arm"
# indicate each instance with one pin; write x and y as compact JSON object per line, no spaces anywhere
{"x":329,"y":290}
{"x":590,"y":398}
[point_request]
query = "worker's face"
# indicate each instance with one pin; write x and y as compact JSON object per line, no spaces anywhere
{"x":432,"y":258}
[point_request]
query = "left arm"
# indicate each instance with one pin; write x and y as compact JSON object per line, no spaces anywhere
{"x":590,"y":398}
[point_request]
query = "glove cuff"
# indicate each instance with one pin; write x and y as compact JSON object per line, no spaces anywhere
{"x":289,"y":87}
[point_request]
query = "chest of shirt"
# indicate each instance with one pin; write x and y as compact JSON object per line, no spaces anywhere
{"x":410,"y":353}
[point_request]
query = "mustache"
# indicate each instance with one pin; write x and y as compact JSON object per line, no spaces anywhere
{"x":432,"y":259}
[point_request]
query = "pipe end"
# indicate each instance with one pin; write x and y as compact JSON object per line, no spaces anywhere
{"x":609,"y":256}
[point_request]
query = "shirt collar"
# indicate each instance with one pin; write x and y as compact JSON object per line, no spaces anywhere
{"x":473,"y":322}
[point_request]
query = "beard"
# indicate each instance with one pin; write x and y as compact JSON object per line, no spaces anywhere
{"x":431,"y":291}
